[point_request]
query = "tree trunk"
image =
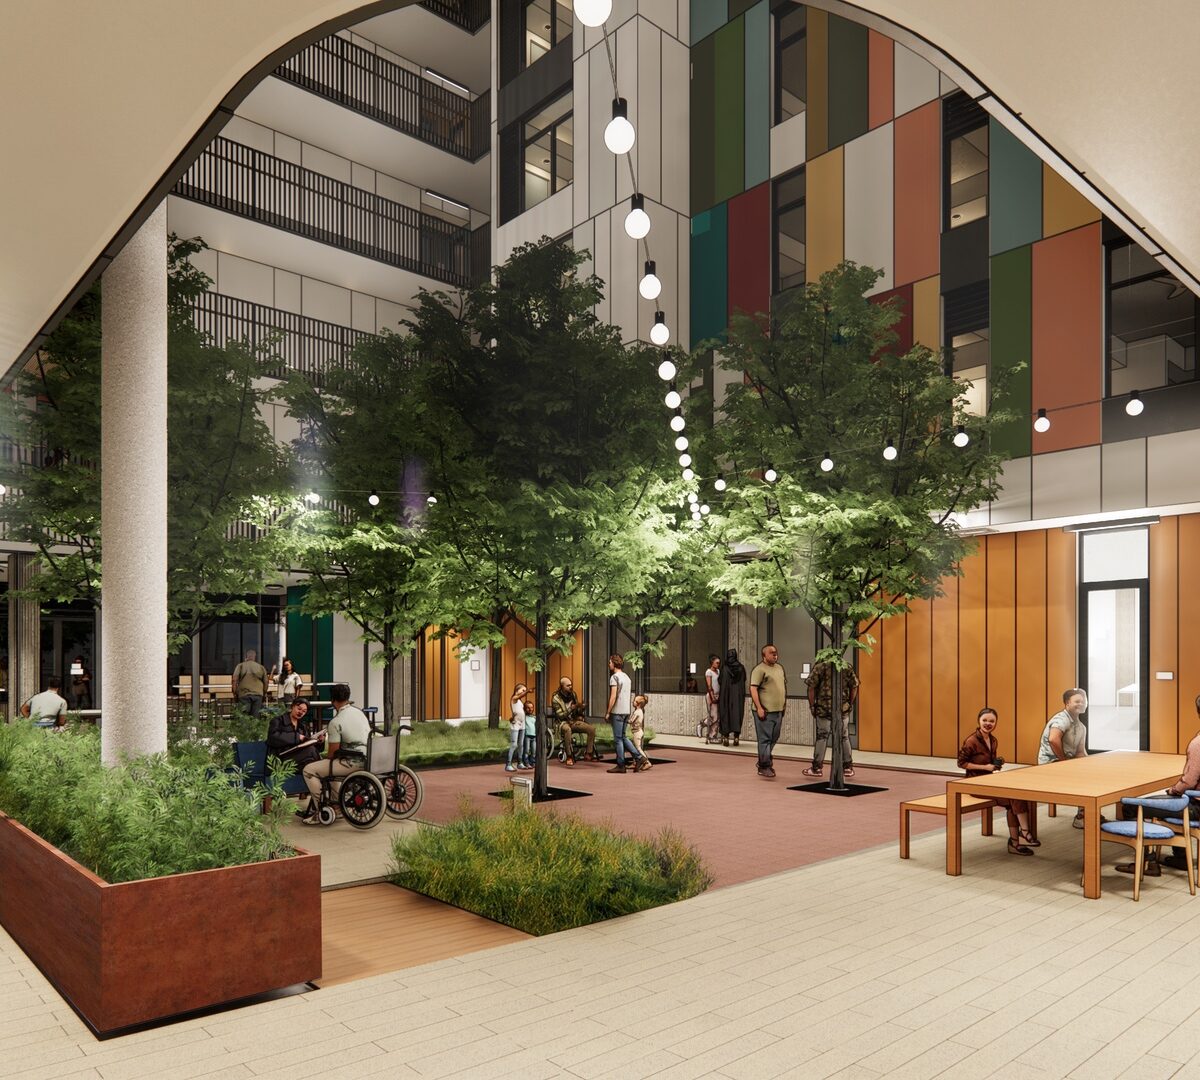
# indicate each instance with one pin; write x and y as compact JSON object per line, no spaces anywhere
{"x":837,"y":778}
{"x":541,"y":772}
{"x":495,"y":690}
{"x":389,"y":690}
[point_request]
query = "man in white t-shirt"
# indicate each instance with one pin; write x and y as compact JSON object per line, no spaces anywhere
{"x":48,"y":705}
{"x":1065,"y":736}
{"x":620,"y":704}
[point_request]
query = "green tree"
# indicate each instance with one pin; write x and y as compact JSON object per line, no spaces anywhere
{"x":854,"y":543}
{"x":224,"y":468}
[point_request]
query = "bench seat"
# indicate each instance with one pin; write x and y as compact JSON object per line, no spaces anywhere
{"x":936,"y":804}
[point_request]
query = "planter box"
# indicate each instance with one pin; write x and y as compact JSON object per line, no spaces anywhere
{"x":128,"y":954}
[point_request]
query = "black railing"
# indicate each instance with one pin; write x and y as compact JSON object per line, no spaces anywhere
{"x":309,"y":346}
{"x":358,"y":79}
{"x":471,"y":15}
{"x":243,"y":181}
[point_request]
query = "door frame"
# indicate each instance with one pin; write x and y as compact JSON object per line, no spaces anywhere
{"x":1142,"y":585}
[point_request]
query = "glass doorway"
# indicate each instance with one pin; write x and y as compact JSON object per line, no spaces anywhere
{"x":68,"y":636}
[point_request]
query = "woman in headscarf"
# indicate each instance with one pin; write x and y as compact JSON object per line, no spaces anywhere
{"x":732,"y":698}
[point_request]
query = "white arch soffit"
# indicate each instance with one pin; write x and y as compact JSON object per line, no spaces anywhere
{"x":1103,"y":91}
{"x":103,"y":105}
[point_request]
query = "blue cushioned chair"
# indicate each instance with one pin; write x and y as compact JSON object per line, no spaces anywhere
{"x":1142,"y":834}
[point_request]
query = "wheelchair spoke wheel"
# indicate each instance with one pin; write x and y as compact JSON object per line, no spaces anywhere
{"x":361,"y":800}
{"x":404,"y":792}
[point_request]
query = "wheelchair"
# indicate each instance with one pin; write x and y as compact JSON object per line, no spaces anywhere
{"x":360,"y":797}
{"x":578,"y":745}
{"x":402,"y":787}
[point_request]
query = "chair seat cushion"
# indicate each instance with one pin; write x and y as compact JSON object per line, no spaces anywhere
{"x":1150,"y":831}
{"x":1160,"y":805}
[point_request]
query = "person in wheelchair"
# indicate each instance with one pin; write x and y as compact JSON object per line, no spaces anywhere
{"x":345,"y":748}
{"x":568,"y":714}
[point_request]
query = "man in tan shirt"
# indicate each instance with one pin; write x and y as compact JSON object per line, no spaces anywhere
{"x":768,"y":692}
{"x":249,"y":683}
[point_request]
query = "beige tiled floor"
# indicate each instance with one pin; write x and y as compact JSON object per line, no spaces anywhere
{"x":864,"y":966}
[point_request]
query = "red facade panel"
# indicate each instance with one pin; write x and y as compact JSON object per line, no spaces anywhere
{"x":750,"y":251}
{"x":918,"y":184}
{"x":904,"y":328}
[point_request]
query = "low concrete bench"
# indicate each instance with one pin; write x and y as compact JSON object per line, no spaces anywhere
{"x":936,"y":804}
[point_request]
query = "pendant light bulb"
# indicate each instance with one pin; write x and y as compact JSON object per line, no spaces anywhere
{"x":961,"y":438}
{"x":312,"y":498}
{"x":619,"y":134}
{"x":770,"y":476}
{"x":826,"y":463}
{"x":719,"y":483}
{"x":432,"y":500}
{"x":693,"y":498}
{"x":685,"y":460}
{"x":677,"y":421}
{"x":890,"y":451}
{"x":660,"y":333}
{"x":593,"y":13}
{"x":672,"y":400}
{"x":705,"y":509}
{"x":637,"y":221}
{"x":1042,"y":423}
{"x":1135,"y":404}
{"x":666,"y":372}
{"x":689,"y":475}
{"x":681,"y":443}
{"x":650,"y":286}
{"x":373,"y":498}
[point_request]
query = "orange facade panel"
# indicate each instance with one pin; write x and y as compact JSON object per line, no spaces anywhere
{"x":918,"y":679}
{"x":1063,"y":208}
{"x":895,"y":699}
{"x":1188,"y":673}
{"x":826,"y":205}
{"x":1165,"y":712}
{"x":881,"y":76}
{"x":918,"y":193}
{"x":972,"y":640}
{"x":870,"y":696}
{"x":1030,"y":716}
{"x":1062,"y":671}
{"x":1067,"y":337}
{"x":1002,"y":638}
{"x":943,"y":668}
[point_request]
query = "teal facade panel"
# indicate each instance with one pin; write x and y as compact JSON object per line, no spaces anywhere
{"x":707,"y":16}
{"x":710,"y":281}
{"x":1014,"y":191}
{"x":758,"y":94}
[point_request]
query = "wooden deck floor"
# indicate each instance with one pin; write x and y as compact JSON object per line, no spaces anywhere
{"x":373,"y":929}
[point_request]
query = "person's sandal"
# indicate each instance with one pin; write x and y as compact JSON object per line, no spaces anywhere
{"x":1024,"y":836}
{"x":1015,"y":848}
{"x":811,"y":772}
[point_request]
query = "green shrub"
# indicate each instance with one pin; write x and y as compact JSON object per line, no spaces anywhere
{"x":149,"y":817}
{"x":439,"y":743}
{"x":542,"y":873}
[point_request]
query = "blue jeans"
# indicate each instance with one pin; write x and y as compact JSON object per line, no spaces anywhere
{"x":768,"y":730}
{"x":620,"y":740}
{"x":515,"y":735}
{"x":529,"y":753}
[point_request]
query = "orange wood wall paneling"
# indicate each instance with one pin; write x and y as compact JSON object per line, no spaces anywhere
{"x":880,"y":78}
{"x":826,"y":213}
{"x":944,"y":671}
{"x":895,"y":694}
{"x":1188,"y":673}
{"x":1067,"y":336}
{"x":1062,"y":671}
{"x":972,"y":640}
{"x":1002,"y":638}
{"x":918,"y":682}
{"x":1030,"y":716}
{"x":918,"y":193}
{"x":1165,"y":713}
{"x":870,"y":696}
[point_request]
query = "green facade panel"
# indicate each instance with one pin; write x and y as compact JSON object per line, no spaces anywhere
{"x":758,"y":94}
{"x":1012,"y":344}
{"x":1014,"y":191}
{"x":703,"y":141}
{"x":729,"y":112}
{"x":848,"y":100}
{"x":710,"y":278}
{"x":707,"y":16}
{"x":309,"y":640}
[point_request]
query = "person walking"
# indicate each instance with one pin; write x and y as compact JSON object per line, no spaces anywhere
{"x":768,"y":692}
{"x":712,"y":694}
{"x":249,"y":683}
{"x":637,"y":721}
{"x":620,"y":697}
{"x":732,"y":703}
{"x":820,"y":701}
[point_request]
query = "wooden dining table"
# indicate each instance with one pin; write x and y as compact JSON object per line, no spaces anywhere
{"x":1087,"y":782}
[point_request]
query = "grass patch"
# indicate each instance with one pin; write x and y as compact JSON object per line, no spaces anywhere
{"x":439,"y":743}
{"x":545,"y":872}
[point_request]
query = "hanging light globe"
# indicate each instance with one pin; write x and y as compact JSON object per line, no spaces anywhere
{"x":373,"y":498}
{"x":719,"y":483}
{"x":961,"y":438}
{"x":619,"y":134}
{"x":770,"y":476}
{"x":826,"y":463}
{"x":666,"y":371}
{"x":696,"y":515}
{"x":1135,"y":404}
{"x":432,"y":500}
{"x":1042,"y":423}
{"x":593,"y":12}
{"x":890,"y":451}
{"x":312,"y":498}
{"x":637,"y":221}
{"x":672,"y":400}
{"x":677,"y":421}
{"x":660,"y":333}
{"x":689,"y":475}
{"x":681,"y":443}
{"x":705,"y":509}
{"x":685,"y":460}
{"x":650,"y":286}
{"x":692,"y":497}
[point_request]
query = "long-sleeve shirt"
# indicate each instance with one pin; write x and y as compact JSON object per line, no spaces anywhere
{"x":1190,"y":780}
{"x":977,"y":749}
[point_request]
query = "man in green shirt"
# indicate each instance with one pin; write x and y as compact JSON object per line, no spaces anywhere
{"x":249,"y":683}
{"x":768,"y":692}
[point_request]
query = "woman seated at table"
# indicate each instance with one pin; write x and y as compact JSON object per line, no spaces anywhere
{"x":978,"y":758}
{"x":288,"y":730}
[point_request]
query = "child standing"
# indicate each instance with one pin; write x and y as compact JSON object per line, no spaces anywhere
{"x":637,"y":722}
{"x":529,"y":753}
{"x":516,"y":724}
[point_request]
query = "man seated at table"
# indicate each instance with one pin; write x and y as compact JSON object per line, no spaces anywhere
{"x":48,"y":705}
{"x":568,"y":714}
{"x":1189,"y":781}
{"x":345,"y":748}
{"x":1065,"y":736}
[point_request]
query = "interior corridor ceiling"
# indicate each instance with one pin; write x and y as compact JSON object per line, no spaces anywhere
{"x":104,"y":104}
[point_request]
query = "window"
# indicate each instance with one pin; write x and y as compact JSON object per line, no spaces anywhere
{"x":547,"y":22}
{"x":549,"y":152}
{"x":791,"y":61}
{"x":965,"y":129}
{"x":1151,"y":323}
{"x":967,"y":332}
{"x":680,"y":669}
{"x":789,"y":195}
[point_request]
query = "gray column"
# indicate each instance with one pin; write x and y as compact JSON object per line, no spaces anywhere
{"x":133,"y":494}
{"x":24,"y":634}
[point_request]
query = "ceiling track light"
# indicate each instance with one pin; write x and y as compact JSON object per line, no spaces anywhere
{"x":666,"y":371}
{"x":1135,"y":404}
{"x":660,"y":333}
{"x":637,"y":221}
{"x":1042,"y":423}
{"x":619,"y":135}
{"x":650,"y":286}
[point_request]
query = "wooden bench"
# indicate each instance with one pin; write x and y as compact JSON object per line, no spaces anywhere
{"x":936,"y":804}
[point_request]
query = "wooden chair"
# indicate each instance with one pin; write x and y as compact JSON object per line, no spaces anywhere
{"x":220,"y":687}
{"x":1142,"y":835}
{"x":306,"y":684}
{"x":185,"y":687}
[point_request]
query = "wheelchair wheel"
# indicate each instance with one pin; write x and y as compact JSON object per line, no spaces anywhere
{"x":404,"y":793}
{"x":326,"y":816}
{"x":362,"y":800}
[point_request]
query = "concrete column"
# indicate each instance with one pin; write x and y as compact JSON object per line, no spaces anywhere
{"x":133,"y":494}
{"x":24,"y":634}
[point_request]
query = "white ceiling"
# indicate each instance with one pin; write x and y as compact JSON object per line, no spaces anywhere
{"x":99,"y":100}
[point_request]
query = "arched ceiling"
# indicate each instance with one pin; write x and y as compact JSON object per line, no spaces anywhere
{"x":105,"y":103}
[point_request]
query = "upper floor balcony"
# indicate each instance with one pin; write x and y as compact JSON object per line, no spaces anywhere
{"x":470,"y":15}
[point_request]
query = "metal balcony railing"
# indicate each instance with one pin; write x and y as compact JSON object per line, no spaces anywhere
{"x":243,"y":181}
{"x":470,"y":15}
{"x":358,"y":79}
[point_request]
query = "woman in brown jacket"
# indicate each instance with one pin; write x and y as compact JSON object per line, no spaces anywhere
{"x":978,"y":757}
